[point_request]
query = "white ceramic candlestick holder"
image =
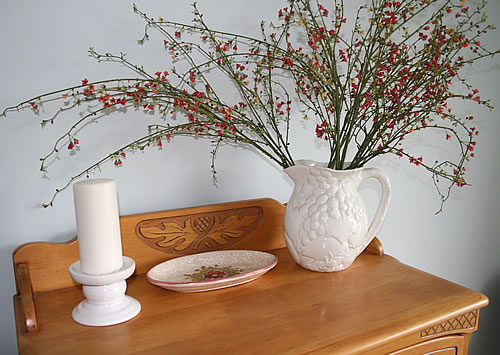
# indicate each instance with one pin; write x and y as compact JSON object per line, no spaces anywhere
{"x":105,"y":300}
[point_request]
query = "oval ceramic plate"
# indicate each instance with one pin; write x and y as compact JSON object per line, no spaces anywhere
{"x":211,"y":270}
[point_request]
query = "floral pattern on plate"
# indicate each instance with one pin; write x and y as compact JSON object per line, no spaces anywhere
{"x":207,"y":273}
{"x":211,"y":270}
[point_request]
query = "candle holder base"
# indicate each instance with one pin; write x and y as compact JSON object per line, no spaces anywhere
{"x":105,"y":300}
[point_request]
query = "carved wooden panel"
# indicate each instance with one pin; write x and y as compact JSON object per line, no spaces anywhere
{"x":195,"y":233}
{"x":461,"y":322}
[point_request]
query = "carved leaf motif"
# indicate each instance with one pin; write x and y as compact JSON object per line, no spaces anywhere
{"x":232,"y":227}
{"x":200,"y":232}
{"x":173,"y":233}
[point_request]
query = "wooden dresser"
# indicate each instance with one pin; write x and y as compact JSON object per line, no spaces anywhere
{"x":377,"y":306}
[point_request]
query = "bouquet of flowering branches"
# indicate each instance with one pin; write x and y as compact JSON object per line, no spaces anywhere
{"x":394,"y":72}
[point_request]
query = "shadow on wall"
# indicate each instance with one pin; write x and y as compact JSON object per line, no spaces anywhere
{"x":486,"y":339}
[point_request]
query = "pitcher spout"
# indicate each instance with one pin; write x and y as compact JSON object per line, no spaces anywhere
{"x":299,"y":171}
{"x":295,"y":173}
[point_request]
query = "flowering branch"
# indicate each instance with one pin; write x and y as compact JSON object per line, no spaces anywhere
{"x":395,"y":75}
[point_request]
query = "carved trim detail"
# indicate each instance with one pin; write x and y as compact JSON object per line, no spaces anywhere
{"x":461,"y":322}
{"x":200,"y":232}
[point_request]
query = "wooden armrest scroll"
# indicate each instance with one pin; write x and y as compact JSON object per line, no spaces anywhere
{"x":25,"y":292}
{"x":375,"y":247}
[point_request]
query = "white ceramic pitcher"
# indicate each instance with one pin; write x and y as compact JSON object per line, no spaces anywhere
{"x":325,"y":223}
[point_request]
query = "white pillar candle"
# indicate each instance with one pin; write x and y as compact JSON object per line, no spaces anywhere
{"x":98,"y":226}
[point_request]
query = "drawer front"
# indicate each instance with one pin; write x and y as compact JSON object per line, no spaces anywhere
{"x":448,"y":345}
{"x":447,"y":351}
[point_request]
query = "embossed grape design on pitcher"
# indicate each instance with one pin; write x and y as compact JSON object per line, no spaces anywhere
{"x":326,"y":225}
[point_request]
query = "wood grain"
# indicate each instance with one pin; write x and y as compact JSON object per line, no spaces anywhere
{"x":49,"y":262}
{"x":377,"y":301}
{"x":201,"y":232}
{"x":375,"y":247}
{"x":26,"y":295}
{"x":378,"y":305}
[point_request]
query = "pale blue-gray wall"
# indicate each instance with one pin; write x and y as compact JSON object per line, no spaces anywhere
{"x":44,"y":47}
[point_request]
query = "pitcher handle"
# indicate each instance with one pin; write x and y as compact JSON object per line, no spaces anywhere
{"x":383,"y":206}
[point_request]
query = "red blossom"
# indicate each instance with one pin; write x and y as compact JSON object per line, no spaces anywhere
{"x":320,"y":130}
{"x":459,"y":181}
{"x":325,"y":11}
{"x":416,"y":161}
{"x":73,"y":143}
{"x":342,"y":55}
